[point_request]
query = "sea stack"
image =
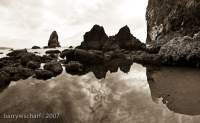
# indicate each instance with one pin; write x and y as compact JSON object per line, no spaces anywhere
{"x":53,"y":40}
{"x":95,"y":38}
{"x":127,"y":41}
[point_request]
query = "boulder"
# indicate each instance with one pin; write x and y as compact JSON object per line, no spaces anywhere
{"x":68,"y":53}
{"x":54,"y":66}
{"x":43,"y":74}
{"x":17,"y":73}
{"x":45,"y":47}
{"x":53,"y":40}
{"x":94,"y":39}
{"x":35,"y":47}
{"x":25,"y":58}
{"x":47,"y":58}
{"x":33,"y":65}
{"x":53,"y":52}
{"x":74,"y":67}
{"x":17,"y":53}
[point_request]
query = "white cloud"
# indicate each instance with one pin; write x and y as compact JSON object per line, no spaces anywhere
{"x":25,"y":23}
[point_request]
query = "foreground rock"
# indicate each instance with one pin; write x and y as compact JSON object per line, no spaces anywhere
{"x":25,"y":58}
{"x":33,"y":65}
{"x":53,"y":40}
{"x":43,"y":74}
{"x":55,"y":67}
{"x":17,"y":53}
{"x":74,"y":67}
{"x":17,"y":73}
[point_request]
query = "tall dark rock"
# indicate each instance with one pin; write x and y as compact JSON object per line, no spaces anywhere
{"x":53,"y":40}
{"x":95,"y":38}
{"x":174,"y":25}
{"x":127,"y":41}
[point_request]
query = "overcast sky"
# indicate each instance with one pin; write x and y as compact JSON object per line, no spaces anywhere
{"x":24,"y":23}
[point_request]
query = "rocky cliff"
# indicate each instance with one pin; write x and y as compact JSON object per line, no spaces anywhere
{"x":167,"y":19}
{"x":174,"y":26}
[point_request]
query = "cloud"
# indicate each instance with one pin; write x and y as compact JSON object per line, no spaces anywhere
{"x":33,"y":21}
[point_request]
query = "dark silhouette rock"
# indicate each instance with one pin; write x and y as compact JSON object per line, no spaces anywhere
{"x":74,"y":67}
{"x":33,"y":65}
{"x":47,"y":58}
{"x":35,"y":47}
{"x":94,"y":39}
{"x":25,"y":58}
{"x":17,"y":73}
{"x":45,"y":47}
{"x":52,"y":52}
{"x":127,"y":41}
{"x":68,"y":53}
{"x":17,"y":53}
{"x":54,"y":66}
{"x":43,"y":74}
{"x":53,"y":40}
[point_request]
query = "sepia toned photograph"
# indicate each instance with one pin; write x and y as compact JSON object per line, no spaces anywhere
{"x":99,"y":61}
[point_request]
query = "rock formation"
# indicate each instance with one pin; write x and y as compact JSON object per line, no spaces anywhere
{"x":53,"y":40}
{"x":127,"y":41}
{"x":173,"y":26}
{"x":97,"y":39}
{"x":35,"y":47}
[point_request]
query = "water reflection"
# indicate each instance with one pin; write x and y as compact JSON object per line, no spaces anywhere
{"x":178,"y":86}
{"x":118,"y":98}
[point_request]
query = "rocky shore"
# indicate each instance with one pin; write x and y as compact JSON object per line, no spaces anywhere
{"x":173,"y":37}
{"x":174,"y":26}
{"x":98,"y":53}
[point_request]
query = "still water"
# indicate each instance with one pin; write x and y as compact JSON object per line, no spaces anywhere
{"x":143,"y":95}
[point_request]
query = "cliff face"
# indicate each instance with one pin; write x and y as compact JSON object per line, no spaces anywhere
{"x":174,"y":25}
{"x":167,"y":19}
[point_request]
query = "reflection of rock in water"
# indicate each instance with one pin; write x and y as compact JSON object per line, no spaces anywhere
{"x":100,"y":70}
{"x":179,"y":88}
